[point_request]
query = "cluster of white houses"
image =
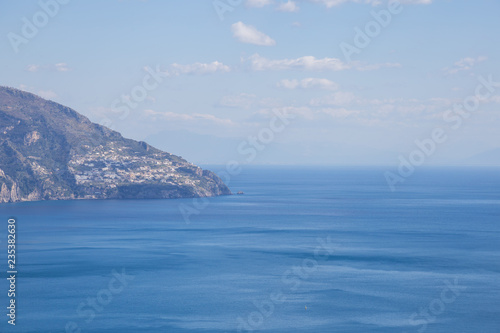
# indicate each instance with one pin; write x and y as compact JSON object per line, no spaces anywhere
{"x":109,"y":166}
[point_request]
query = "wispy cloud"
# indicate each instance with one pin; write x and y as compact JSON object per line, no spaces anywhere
{"x":310,"y":63}
{"x":308,"y":113}
{"x":308,"y":83}
{"x":417,"y":2}
{"x":339,"y":112}
{"x":242,"y":100}
{"x":334,"y":3}
{"x":267,"y":113}
{"x":195,"y":117}
{"x":258,"y":3}
{"x":59,"y":67}
{"x":250,"y":35}
{"x":246,"y":101}
{"x":33,"y":68}
{"x":372,"y":67}
{"x":47,"y":94}
{"x":337,"y":98}
{"x":346,"y":106}
{"x":200,"y":68}
{"x":289,"y":6}
{"x":464,"y":64}
{"x":259,"y":63}
{"x":495,"y":99}
{"x":330,"y":3}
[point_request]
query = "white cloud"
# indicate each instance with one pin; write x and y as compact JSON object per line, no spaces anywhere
{"x":243,"y":100}
{"x":308,"y":113}
{"x":247,"y":101}
{"x":408,"y":108}
{"x":306,"y":63}
{"x":212,"y":118}
{"x":464,"y":64}
{"x":195,"y":117}
{"x":337,"y":98}
{"x":372,"y":67}
{"x":61,"y":67}
{"x":330,"y":3}
{"x":258,"y":3}
{"x":250,"y":35}
{"x":334,"y":3}
{"x":417,"y":2}
{"x":303,"y":111}
{"x":311,"y":63}
{"x":33,"y":68}
{"x":407,"y":112}
{"x":308,"y":83}
{"x":288,"y":84}
{"x":289,"y":6}
{"x":494,"y":99}
{"x":200,"y":68}
{"x":47,"y":94}
{"x":339,"y":113}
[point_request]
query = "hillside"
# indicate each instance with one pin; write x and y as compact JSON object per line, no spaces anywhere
{"x":50,"y":152}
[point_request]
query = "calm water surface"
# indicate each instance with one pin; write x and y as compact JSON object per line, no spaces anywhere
{"x":304,"y":250}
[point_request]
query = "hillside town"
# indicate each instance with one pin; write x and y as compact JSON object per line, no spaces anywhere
{"x":113,"y":165}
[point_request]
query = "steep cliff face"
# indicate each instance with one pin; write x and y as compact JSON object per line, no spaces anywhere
{"x":50,"y":152}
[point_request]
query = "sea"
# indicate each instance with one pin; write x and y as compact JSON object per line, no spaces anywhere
{"x":304,"y":249}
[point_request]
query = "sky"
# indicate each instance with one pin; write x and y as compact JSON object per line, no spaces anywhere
{"x":304,"y":82}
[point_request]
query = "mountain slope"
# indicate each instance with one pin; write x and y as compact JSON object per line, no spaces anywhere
{"x":51,"y":152}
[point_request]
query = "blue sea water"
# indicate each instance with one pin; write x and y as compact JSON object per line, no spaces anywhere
{"x":303,"y":250}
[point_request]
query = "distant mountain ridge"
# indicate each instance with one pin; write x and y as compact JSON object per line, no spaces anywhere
{"x":487,"y":158}
{"x":51,"y":152}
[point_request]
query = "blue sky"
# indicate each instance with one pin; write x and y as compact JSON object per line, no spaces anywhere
{"x":223,"y":78}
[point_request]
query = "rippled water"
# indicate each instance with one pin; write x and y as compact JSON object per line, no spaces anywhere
{"x":304,"y":250}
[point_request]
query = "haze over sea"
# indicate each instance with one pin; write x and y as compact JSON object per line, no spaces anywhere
{"x":305,"y":249}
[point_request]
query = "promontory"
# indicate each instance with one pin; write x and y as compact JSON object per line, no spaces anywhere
{"x":50,"y":152}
